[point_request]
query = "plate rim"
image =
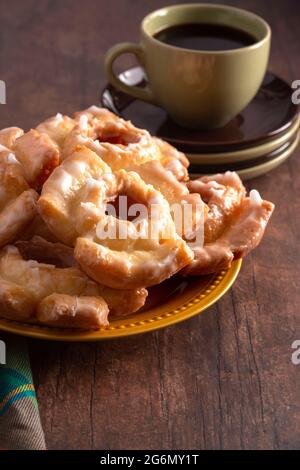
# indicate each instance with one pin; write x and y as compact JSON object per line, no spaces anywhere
{"x":221,"y":283}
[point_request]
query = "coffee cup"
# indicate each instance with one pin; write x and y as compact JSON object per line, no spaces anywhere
{"x":199,"y":88}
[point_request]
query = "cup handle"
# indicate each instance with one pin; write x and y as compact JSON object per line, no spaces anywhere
{"x":144,"y":94}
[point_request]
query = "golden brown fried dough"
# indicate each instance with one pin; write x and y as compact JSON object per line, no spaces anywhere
{"x":38,"y":156}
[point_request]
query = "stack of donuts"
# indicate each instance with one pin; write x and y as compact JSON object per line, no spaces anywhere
{"x":58,"y":268}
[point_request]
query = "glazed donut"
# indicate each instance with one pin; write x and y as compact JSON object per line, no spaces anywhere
{"x":137,"y":259}
{"x":173,"y":160}
{"x":69,"y":311}
{"x":73,"y":203}
{"x":17,"y":215}
{"x":119,"y":143}
{"x":38,"y":156}
{"x":177,"y":195}
{"x":119,"y":302}
{"x":9,"y":135}
{"x":12,"y":181}
{"x":57,"y":128}
{"x":70,"y":191}
{"x":222,"y":193}
{"x":15,"y":302}
{"x":94,"y":114}
{"x":235,"y":223}
{"x":123,"y":302}
{"x":78,"y":253}
{"x":40,"y":279}
{"x":17,"y":201}
{"x":25,"y":287}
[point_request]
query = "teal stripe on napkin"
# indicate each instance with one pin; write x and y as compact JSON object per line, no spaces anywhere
{"x":20,"y":425}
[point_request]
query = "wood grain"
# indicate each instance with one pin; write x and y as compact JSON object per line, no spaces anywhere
{"x":222,"y":380}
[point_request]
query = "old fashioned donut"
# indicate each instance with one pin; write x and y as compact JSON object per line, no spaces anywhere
{"x":9,"y":135}
{"x":119,"y":143}
{"x":89,"y":210}
{"x":119,"y":302}
{"x":71,"y":311}
{"x":187,"y":209}
{"x":70,"y":191}
{"x":12,"y":180}
{"x":15,"y":217}
{"x":73,"y":203}
{"x":38,"y":154}
{"x":123,"y":302}
{"x":234,"y":226}
{"x":57,"y":128}
{"x":222,"y":193}
{"x":139,"y":259}
{"x":173,"y":160}
{"x":25,"y":287}
{"x":15,"y":302}
{"x":17,"y":201}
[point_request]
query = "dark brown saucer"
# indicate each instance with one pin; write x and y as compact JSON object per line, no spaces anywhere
{"x":269,"y":114}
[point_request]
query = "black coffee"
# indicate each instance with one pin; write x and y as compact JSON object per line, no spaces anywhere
{"x":205,"y":37}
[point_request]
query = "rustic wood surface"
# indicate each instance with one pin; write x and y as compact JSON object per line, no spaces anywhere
{"x":221,"y":380}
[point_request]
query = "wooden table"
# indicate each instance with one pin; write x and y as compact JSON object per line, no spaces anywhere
{"x":221,"y":380}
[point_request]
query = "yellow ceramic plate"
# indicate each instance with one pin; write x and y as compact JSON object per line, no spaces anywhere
{"x":171,"y":302}
{"x":246,"y":154}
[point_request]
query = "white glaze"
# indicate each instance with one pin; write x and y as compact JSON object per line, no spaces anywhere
{"x":255,"y":197}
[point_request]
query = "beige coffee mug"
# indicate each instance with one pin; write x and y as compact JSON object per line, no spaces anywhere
{"x":198,"y":89}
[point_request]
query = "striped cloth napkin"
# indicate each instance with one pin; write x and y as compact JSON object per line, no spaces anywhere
{"x":20,"y":425}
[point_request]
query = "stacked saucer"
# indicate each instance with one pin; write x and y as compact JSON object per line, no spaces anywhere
{"x":259,"y":139}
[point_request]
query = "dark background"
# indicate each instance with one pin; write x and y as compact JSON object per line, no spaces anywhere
{"x":221,"y":380}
